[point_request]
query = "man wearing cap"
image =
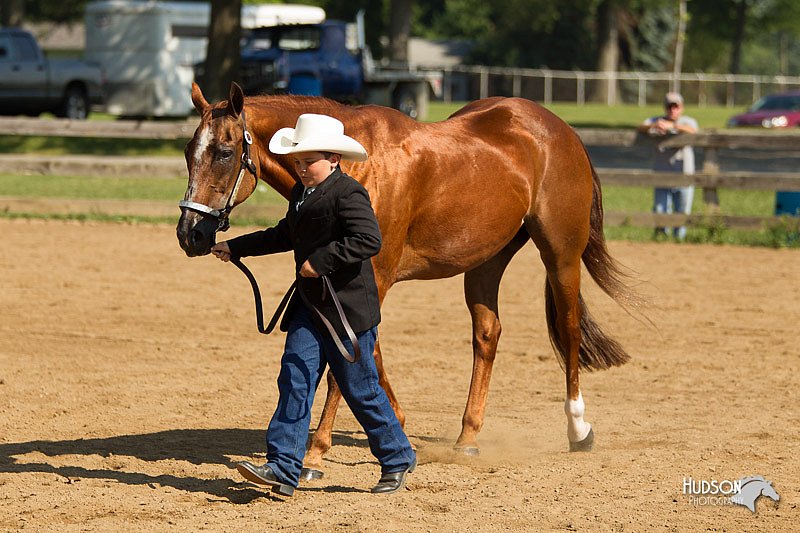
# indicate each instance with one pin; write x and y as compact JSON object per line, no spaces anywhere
{"x":331,"y":227}
{"x":672,"y":199}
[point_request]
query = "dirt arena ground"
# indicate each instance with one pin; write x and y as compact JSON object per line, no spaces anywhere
{"x":132,"y":377}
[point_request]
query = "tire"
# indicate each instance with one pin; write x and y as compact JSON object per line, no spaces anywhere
{"x":75,"y":104}
{"x":405,"y":101}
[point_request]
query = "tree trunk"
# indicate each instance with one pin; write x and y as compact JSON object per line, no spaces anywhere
{"x":679,"y":40}
{"x":608,"y":57}
{"x":738,"y":36}
{"x":12,"y":13}
{"x":222,"y":55}
{"x":400,"y":29}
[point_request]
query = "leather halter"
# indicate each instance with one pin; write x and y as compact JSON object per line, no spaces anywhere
{"x":223,"y":224}
{"x":246,"y":164}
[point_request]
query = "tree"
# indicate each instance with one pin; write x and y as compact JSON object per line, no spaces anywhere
{"x":608,"y":21}
{"x":400,"y":29}
{"x":222,"y":55}
{"x":12,"y":12}
{"x":740,"y":23}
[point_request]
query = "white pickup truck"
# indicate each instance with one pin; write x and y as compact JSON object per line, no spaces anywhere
{"x":31,"y":84}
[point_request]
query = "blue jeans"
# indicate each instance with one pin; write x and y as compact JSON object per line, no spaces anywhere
{"x":674,"y":200}
{"x":306,"y":354}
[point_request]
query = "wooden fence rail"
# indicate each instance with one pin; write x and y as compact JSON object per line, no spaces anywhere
{"x":709,"y":178}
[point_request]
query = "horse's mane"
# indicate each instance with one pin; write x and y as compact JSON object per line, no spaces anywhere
{"x":290,"y":100}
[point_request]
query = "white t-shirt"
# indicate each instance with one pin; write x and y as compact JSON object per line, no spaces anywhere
{"x":674,"y":159}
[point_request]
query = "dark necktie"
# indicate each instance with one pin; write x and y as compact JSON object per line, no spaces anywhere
{"x":306,"y":193}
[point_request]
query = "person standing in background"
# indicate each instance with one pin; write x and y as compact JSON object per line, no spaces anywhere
{"x":672,"y":199}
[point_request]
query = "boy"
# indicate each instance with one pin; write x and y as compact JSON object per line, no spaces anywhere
{"x":332,"y":229}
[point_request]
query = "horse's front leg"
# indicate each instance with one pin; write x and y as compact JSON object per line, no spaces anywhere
{"x":322,"y":440}
{"x":383,"y":379}
{"x":323,"y":436}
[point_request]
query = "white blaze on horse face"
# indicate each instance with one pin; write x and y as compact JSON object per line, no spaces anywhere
{"x":203,"y":141}
{"x":577,"y":428}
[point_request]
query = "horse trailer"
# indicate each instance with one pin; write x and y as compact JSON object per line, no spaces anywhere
{"x":149,"y":49}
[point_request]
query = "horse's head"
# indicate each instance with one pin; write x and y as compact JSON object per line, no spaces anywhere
{"x":769,"y":491}
{"x":221,"y":172}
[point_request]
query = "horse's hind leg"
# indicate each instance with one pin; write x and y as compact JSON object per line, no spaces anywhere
{"x":562,"y":259}
{"x":481,"y":287}
{"x":564,"y":284}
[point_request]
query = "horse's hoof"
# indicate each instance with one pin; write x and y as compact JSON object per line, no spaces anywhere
{"x":310,"y":474}
{"x":584,"y":445}
{"x":469,"y":451}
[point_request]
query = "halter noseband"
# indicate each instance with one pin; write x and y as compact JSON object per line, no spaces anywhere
{"x":247,"y":164}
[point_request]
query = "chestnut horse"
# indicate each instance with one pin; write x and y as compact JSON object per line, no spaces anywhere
{"x":458,"y":196}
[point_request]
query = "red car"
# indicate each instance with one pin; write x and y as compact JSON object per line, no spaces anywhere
{"x":774,"y":111}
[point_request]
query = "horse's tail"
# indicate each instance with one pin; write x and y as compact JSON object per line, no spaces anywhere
{"x":597,"y":350}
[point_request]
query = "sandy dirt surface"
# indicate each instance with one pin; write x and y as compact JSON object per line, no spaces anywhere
{"x":132,"y":377}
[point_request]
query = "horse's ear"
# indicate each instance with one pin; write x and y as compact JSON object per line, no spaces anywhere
{"x":235,"y":99}
{"x":198,"y":99}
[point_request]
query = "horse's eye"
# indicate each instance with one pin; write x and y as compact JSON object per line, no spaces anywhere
{"x":225,"y":154}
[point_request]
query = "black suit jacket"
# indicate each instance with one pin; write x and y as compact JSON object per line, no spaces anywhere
{"x":336,"y":230}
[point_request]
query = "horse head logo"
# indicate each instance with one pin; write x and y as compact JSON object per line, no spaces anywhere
{"x":754,"y":487}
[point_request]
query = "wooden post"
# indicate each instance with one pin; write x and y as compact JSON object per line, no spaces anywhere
{"x":711,"y":166}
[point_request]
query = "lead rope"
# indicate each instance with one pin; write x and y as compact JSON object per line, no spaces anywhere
{"x":350,"y":358}
{"x":257,"y":297}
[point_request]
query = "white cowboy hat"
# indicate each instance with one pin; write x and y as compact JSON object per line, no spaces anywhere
{"x":317,"y":133}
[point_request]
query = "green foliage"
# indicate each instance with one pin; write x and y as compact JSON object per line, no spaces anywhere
{"x":653,"y":39}
{"x":784,"y":234}
{"x":522,"y":33}
{"x":61,"y":11}
{"x":711,"y":32}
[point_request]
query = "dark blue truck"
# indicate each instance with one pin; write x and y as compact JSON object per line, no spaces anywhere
{"x":317,"y":59}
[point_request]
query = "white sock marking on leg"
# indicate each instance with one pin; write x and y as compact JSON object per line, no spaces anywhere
{"x":577,"y":428}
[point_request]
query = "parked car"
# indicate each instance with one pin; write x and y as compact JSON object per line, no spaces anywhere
{"x":780,"y":110}
{"x":31,"y":84}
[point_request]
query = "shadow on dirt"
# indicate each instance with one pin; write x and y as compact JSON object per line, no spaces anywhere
{"x":196,"y":446}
